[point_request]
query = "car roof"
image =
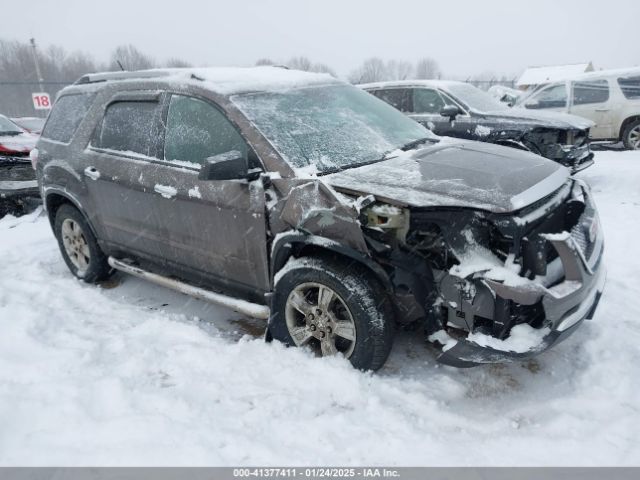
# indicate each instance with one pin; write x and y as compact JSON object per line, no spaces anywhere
{"x":222,"y":80}
{"x":618,"y":72}
{"x":444,"y":84}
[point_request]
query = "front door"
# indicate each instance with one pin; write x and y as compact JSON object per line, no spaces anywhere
{"x":427,"y":103}
{"x":553,"y":97}
{"x":216,"y":229}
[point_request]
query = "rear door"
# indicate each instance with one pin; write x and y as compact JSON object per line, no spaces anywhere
{"x":591,"y":99}
{"x":212,"y":229}
{"x":120,"y":173}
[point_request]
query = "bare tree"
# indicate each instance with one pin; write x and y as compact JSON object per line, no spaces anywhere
{"x":322,"y":68}
{"x":18,"y":78}
{"x":427,"y":68}
{"x":398,"y":70}
{"x":174,"y":62}
{"x":300,"y":63}
{"x":131,"y":59}
{"x":372,"y":70}
{"x":264,"y":61}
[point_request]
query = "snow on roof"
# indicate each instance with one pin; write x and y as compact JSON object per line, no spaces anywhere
{"x":553,"y":73}
{"x":226,"y":80}
{"x":618,"y":72}
{"x":408,"y":83}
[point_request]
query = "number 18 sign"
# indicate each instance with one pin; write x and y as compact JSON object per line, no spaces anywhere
{"x":41,"y":101}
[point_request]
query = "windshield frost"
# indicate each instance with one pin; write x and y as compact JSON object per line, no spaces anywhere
{"x":330,"y":127}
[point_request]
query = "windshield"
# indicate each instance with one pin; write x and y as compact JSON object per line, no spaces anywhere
{"x":475,"y":98}
{"x":7,"y":126}
{"x":329,"y":127}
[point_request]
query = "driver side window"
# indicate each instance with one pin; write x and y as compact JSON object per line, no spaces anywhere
{"x":551,"y":97}
{"x":197,"y":130}
{"x":426,"y":100}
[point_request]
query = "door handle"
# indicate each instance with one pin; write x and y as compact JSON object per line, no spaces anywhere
{"x":602,"y":109}
{"x":92,"y":173}
{"x":165,"y":190}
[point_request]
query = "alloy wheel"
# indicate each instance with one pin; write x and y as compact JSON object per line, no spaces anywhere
{"x":316,"y":315}
{"x":634,"y":138}
{"x":75,"y":245}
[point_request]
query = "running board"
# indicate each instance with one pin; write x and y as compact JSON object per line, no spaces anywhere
{"x":242,"y":306}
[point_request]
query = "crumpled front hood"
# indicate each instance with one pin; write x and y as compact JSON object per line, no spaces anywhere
{"x":544,"y":118}
{"x":456,"y":174}
{"x":24,"y":142}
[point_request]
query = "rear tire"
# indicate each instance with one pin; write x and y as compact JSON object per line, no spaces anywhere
{"x":78,"y":246}
{"x":333,"y":307}
{"x":631,"y":136}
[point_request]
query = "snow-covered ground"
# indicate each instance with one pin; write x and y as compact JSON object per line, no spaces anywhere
{"x":133,"y":374}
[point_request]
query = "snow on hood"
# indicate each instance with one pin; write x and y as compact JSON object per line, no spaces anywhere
{"x":457,"y":174}
{"x":24,"y":142}
{"x":552,"y":119}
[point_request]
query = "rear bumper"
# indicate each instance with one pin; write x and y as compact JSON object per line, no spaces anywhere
{"x":17,"y":179}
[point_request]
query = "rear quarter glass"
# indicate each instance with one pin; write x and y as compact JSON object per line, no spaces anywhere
{"x":66,"y":115}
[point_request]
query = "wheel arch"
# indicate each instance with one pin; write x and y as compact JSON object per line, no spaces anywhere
{"x":54,"y":199}
{"x":298,"y":244}
{"x":626,"y":123}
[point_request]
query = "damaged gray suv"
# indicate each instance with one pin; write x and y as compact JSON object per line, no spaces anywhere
{"x":302,"y":200}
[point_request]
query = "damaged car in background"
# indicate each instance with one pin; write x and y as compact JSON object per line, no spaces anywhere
{"x":18,"y":186}
{"x":458,"y":109}
{"x":299,"y":199}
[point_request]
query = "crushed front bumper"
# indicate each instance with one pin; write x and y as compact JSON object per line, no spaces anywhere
{"x":466,"y":354}
{"x":577,"y":158}
{"x":566,"y":304}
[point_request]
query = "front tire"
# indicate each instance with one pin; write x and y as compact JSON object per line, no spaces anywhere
{"x":78,"y":245}
{"x":334,"y":308}
{"x":631,"y":136}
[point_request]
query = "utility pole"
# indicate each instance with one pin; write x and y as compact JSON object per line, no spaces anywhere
{"x":37,"y":64}
{"x":35,"y":61}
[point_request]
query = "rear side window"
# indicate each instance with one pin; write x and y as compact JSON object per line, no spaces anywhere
{"x":129,"y":127}
{"x":66,"y":115}
{"x":397,"y":97}
{"x":630,"y":87}
{"x":595,"y":91}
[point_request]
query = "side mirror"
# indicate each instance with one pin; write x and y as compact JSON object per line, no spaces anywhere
{"x":450,"y":111}
{"x":225,"y":166}
{"x":532,"y":104}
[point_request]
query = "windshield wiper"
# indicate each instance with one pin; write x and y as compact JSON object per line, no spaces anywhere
{"x":10,"y":132}
{"x":388,"y":155}
{"x":415,"y":143}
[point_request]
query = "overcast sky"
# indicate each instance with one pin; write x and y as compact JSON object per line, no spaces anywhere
{"x":465,"y":37}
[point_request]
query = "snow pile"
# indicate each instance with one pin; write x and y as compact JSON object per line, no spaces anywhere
{"x":522,"y":338}
{"x":134,"y":374}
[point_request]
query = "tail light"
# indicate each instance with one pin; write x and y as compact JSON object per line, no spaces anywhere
{"x":33,"y":156}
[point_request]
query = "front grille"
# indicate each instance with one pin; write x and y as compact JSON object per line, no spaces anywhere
{"x":581,"y":237}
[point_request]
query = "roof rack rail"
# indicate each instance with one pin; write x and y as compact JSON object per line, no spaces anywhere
{"x":126,"y":75}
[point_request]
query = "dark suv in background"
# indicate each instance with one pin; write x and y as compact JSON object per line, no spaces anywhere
{"x":458,"y":109}
{"x":303,"y":200}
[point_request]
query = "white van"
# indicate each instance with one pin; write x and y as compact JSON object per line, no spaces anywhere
{"x":609,"y":98}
